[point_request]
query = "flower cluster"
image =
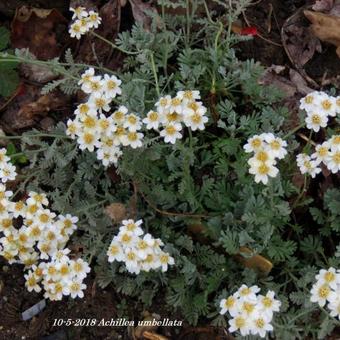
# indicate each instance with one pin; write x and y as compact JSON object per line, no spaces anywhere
{"x":319,"y":107}
{"x":327,"y":153}
{"x":326,"y":289}
{"x":83,"y":21}
{"x":94,"y":128}
{"x":42,"y":235}
{"x":7,"y":170}
{"x":171,"y":113}
{"x":251,"y":313}
{"x":139,"y":251}
{"x":59,"y":277}
{"x":266,"y":148}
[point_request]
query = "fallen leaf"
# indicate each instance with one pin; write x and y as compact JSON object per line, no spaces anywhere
{"x":298,"y":41}
{"x":139,"y":330}
{"x":326,"y":27}
{"x":140,"y":11}
{"x":256,"y":262}
{"x":323,"y":5}
{"x":299,"y":82}
{"x":28,"y":108}
{"x":116,"y":211}
{"x":272,"y":77}
{"x":36,"y":29}
{"x":153,"y":336}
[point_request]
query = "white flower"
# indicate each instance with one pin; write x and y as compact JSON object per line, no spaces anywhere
{"x":320,"y":293}
{"x":133,"y":139}
{"x":315,"y":121}
{"x":276,"y":145}
{"x":195,"y":121}
{"x":93,"y":87}
{"x":75,"y":288}
{"x":261,"y":325}
{"x":131,"y":259}
{"x":333,"y":161}
{"x":88,"y":140}
{"x":309,"y":102}
{"x":119,"y":115}
{"x":111,"y":86}
{"x":73,"y":128}
{"x":240,"y":323}
{"x":188,"y":96}
{"x":7,"y":172}
{"x":3,"y":158}
{"x":194,"y":107}
{"x":326,"y":104}
{"x":334,"y":306}
{"x":94,"y":19}
{"x":115,"y":252}
{"x":166,"y":260}
{"x":100,"y":102}
{"x":230,"y":305}
{"x":245,"y":293}
{"x":87,"y":76}
{"x":80,"y":268}
{"x":78,"y":12}
{"x":152,"y":120}
{"x":38,"y":199}
{"x":171,"y":133}
{"x":127,"y":238}
{"x":76,"y":30}
{"x":262,"y":171}
{"x":176,"y":105}
{"x":330,"y":277}
{"x":254,"y":144}
{"x":32,"y":283}
{"x":132,"y":123}
{"x":268,"y":304}
{"x":109,"y":155}
{"x":132,"y":226}
{"x":307,"y":165}
{"x":163,"y":104}
{"x":321,"y":152}
{"x":335,"y":143}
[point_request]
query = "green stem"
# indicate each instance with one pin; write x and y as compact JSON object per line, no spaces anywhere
{"x":112,"y":44}
{"x":38,"y":135}
{"x":293,"y":131}
{"x":154,"y":71}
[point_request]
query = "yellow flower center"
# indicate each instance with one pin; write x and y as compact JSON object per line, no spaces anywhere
{"x":114,"y":250}
{"x":193,"y":106}
{"x":309,"y":99}
{"x":131,"y":256}
{"x":31,"y":281}
{"x":323,"y":151}
{"x":95,"y":86}
{"x":132,"y":136}
{"x":118,"y":115}
{"x":336,"y":157}
{"x":163,"y":102}
{"x":100,"y":102}
{"x":240,"y":322}
{"x":88,"y":138}
{"x":142,"y":244}
{"x":324,"y":291}
{"x":196,"y":118}
{"x":326,"y":104}
{"x":170,"y":130}
{"x":188,"y":95}
{"x":260,"y":323}
{"x":267,"y":302}
{"x":176,"y":102}
{"x":230,"y":302}
{"x":132,"y":120}
{"x":164,"y":258}
{"x":126,"y":238}
{"x":44,"y":218}
{"x":275,"y":145}
{"x":262,"y":156}
{"x":329,"y":277}
{"x":248,"y":307}
{"x":89,"y":122}
{"x":263,"y":169}
{"x":111,"y":85}
{"x":316,"y":119}
{"x":256,"y":143}
{"x":153,"y":116}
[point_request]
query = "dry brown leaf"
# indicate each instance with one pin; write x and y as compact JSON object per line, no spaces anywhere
{"x":139,"y":330}
{"x":299,"y":43}
{"x":153,"y":336}
{"x":29,"y":107}
{"x":326,"y":27}
{"x":256,"y":262}
{"x":139,"y":11}
{"x":116,"y":211}
{"x":36,"y":28}
{"x":323,"y":5}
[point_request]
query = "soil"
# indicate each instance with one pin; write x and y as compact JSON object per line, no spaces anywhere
{"x":99,"y":303}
